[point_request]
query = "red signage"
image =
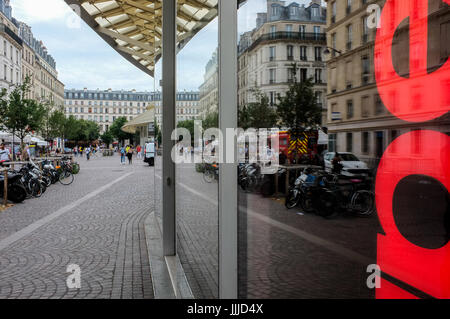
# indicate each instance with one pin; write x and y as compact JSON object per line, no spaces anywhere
{"x":427,"y":270}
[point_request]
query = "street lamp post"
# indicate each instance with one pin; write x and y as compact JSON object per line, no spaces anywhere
{"x":327,"y":51}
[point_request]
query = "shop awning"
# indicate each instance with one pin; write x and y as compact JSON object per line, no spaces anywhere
{"x":134,"y":27}
{"x":143,"y":119}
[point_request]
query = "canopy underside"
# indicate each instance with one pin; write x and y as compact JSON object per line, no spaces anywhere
{"x":134,"y":27}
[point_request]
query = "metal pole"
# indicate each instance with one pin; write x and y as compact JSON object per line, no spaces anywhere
{"x":5,"y":188}
{"x":228,"y":209}
{"x":169,"y":50}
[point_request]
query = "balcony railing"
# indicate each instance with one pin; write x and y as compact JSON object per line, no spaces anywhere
{"x":9,"y":32}
{"x":294,"y":36}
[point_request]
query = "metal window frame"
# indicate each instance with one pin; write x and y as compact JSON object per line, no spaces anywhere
{"x":169,"y":67}
{"x":228,"y":208}
{"x":228,"y":260}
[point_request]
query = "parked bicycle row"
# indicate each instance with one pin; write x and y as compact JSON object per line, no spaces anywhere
{"x":328,"y":194}
{"x":32,"y":178}
{"x":314,"y":190}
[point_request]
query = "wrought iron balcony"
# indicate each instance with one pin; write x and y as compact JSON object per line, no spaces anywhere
{"x":10,"y":33}
{"x":292,"y":36}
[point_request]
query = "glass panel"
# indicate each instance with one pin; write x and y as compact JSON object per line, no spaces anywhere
{"x":359,"y":205}
{"x":197,"y":180}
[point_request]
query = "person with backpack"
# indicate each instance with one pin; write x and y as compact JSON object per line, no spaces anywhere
{"x":130,"y":155}
{"x":122,"y":155}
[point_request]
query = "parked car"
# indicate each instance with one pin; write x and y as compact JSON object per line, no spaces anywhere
{"x":352,"y":166}
{"x":149,"y":151}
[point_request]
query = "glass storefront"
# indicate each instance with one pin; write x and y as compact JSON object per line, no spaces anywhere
{"x":196,"y":169}
{"x":379,"y":88}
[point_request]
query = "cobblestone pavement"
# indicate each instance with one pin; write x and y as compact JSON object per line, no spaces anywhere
{"x":96,"y":223}
{"x":282,"y":253}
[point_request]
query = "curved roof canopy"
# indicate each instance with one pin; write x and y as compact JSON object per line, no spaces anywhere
{"x":134,"y":27}
{"x":143,"y":119}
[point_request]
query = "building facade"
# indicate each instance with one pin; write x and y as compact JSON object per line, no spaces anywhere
{"x":40,"y":67}
{"x":105,"y":106}
{"x":209,"y":90}
{"x":358,"y":121}
{"x":284,"y":35}
{"x":11,"y":47}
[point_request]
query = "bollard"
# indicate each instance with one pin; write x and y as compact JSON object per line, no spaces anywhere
{"x":5,"y":188}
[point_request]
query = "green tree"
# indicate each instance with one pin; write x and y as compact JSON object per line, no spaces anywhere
{"x":260,"y":114}
{"x":158,"y":135}
{"x":107,"y":138}
{"x":18,"y":114}
{"x":116,"y":130}
{"x":211,"y":120}
{"x":189,"y":125}
{"x":298,"y":109}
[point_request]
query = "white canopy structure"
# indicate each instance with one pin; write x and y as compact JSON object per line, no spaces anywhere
{"x":134,"y":27}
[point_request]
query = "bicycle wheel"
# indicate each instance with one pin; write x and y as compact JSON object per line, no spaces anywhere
{"x":326,"y":204}
{"x":66,"y":178}
{"x":35,"y":188}
{"x":363,"y":203}
{"x":17,"y":193}
{"x":208,"y":176}
{"x":291,"y":199}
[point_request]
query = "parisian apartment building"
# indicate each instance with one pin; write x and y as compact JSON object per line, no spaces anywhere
{"x":209,"y":89}
{"x":358,"y":121}
{"x":285,"y":35}
{"x":11,"y":47}
{"x":105,"y":106}
{"x":22,"y":55}
{"x":40,"y":67}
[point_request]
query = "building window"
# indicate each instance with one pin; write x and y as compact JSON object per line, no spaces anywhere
{"x":349,"y":109}
{"x":349,"y":138}
{"x":365,"y":70}
{"x":378,"y":105}
{"x":303,"y":74}
{"x":302,"y":30}
{"x":365,"y":31}
{"x":272,"y":53}
{"x":349,"y":36}
{"x":332,"y":142}
{"x":272,"y":96}
{"x":365,"y":143}
{"x":272,"y":76}
{"x":290,"y":52}
{"x":318,"y":53}
{"x":333,"y":12}
{"x":318,"y":75}
{"x":303,"y":56}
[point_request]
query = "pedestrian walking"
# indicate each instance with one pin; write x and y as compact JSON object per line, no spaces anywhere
{"x":130,"y":155}
{"x":122,"y":155}
{"x":139,"y":151}
{"x":88,"y":152}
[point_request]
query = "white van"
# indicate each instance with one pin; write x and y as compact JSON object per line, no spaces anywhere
{"x":149,"y":151}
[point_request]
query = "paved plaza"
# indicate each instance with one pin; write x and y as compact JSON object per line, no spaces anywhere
{"x":96,"y":223}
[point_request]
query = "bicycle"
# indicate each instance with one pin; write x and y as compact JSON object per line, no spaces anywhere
{"x":65,"y":173}
{"x":211,"y":172}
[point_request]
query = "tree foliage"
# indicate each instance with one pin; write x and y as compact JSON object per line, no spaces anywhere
{"x":18,"y":114}
{"x":116,"y":130}
{"x":211,"y":120}
{"x":158,"y":135}
{"x":107,"y":138}
{"x":189,"y":125}
{"x":298,"y":109}
{"x":258,"y":114}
